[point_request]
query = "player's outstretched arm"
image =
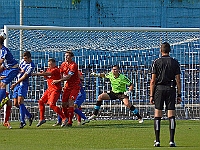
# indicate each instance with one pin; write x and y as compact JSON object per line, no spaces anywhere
{"x":41,"y":74}
{"x":128,"y":93}
{"x":98,"y":74}
{"x":63,"y":79}
{"x":19,"y":81}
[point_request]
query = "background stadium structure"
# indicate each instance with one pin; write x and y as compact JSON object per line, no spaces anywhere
{"x":102,"y":13}
{"x":97,"y":49}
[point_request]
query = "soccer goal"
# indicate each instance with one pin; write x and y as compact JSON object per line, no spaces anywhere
{"x":97,"y":49}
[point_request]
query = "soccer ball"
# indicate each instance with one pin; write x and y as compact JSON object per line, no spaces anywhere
{"x":3,"y":35}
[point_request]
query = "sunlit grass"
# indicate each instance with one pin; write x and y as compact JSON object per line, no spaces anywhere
{"x":100,"y":134}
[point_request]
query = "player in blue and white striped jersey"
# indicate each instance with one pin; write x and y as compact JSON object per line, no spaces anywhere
{"x":8,"y":68}
{"x":8,"y":71}
{"x":21,"y":87}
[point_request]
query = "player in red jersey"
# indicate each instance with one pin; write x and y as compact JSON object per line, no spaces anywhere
{"x":77,"y":105}
{"x":52,"y":94}
{"x":69,"y":72}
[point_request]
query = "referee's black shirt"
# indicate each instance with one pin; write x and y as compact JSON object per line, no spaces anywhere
{"x":165,"y":68}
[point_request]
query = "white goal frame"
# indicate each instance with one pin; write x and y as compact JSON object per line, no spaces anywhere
{"x":183,"y":110}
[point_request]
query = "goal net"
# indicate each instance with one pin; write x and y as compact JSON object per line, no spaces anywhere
{"x":97,"y":49}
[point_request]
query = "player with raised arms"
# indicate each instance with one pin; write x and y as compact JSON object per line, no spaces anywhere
{"x":9,"y":69}
{"x":119,"y":82}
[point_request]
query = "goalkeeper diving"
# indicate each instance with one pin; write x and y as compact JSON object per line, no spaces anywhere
{"x":119,"y":83}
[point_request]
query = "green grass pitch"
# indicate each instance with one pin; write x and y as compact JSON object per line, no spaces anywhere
{"x":99,"y":135}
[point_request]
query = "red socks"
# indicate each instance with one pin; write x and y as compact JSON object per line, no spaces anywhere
{"x":70,"y":114}
{"x":58,"y":111}
{"x":8,"y":111}
{"x":42,"y":109}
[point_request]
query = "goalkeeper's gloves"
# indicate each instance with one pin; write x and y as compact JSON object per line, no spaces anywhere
{"x":95,"y":74}
{"x":127,"y":93}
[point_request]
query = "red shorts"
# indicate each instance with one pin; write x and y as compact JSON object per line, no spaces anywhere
{"x":50,"y":97}
{"x":70,"y":93}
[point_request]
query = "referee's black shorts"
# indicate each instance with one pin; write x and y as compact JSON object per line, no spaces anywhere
{"x":164,"y":94}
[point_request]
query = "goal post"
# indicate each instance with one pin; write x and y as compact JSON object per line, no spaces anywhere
{"x":98,"y":48}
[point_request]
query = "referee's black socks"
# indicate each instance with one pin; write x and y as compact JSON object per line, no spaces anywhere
{"x":172,"y":126}
{"x":157,"y":128}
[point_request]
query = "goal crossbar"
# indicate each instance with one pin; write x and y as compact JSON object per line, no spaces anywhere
{"x":98,"y":48}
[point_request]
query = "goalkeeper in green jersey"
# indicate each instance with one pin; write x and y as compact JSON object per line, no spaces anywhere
{"x":119,"y":83}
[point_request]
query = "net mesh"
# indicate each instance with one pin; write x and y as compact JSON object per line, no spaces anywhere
{"x":97,"y":51}
{"x":100,"y":40}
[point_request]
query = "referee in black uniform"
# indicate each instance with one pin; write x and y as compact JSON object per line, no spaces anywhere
{"x":165,"y":77}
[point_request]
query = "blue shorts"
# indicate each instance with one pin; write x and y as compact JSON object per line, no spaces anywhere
{"x":20,"y":90}
{"x":80,"y":98}
{"x":10,"y":75}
